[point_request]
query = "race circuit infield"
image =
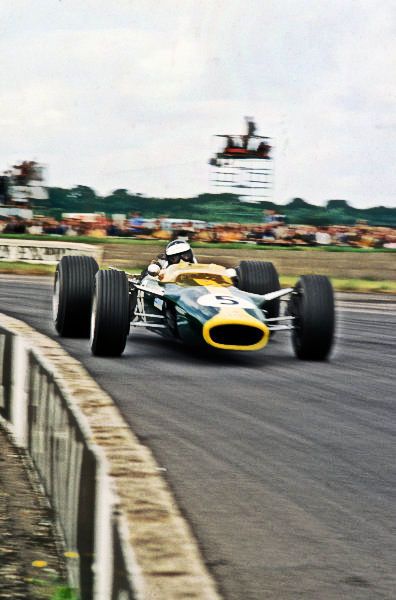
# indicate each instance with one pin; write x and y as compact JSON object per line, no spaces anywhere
{"x":285,"y":469}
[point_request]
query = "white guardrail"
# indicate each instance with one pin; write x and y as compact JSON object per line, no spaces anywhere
{"x":124,"y":536}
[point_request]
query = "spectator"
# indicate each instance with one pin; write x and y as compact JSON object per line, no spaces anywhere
{"x":136,"y":223}
{"x":322,"y":237}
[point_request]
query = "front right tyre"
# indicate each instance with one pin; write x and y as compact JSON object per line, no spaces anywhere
{"x":260,"y":277}
{"x":110,"y":313}
{"x":72,"y":295}
{"x":312,"y":306}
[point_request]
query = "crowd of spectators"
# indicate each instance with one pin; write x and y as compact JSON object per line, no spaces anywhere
{"x":274,"y":233}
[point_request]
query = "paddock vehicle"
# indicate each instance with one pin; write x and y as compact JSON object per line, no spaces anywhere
{"x":199,"y":304}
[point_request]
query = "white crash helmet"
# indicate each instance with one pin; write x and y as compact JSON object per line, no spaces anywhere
{"x":179,"y":250}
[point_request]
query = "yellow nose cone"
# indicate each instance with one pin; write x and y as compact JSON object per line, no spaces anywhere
{"x":235,"y":333}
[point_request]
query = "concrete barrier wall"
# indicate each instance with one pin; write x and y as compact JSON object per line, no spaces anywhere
{"x":67,"y":466}
{"x":70,"y":467}
{"x":124,"y":536}
{"x":46,"y":252}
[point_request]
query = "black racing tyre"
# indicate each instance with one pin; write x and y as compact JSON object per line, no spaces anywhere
{"x":110,"y":313}
{"x":72,"y":296}
{"x":312,"y":306}
{"x":260,"y":277}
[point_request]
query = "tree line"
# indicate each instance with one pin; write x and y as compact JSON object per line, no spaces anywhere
{"x":211,"y":208}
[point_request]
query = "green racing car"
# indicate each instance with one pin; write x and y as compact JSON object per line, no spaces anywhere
{"x":203,"y":305}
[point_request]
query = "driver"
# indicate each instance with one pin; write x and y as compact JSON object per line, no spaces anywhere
{"x":178,"y":250}
{"x":175,"y":251}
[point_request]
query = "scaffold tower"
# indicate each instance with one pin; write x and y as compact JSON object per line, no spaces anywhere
{"x":244,"y":165}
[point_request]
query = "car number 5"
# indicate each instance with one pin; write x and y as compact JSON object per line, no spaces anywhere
{"x":227,"y":300}
{"x":219,"y":301}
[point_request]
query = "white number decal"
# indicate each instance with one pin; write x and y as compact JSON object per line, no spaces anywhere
{"x":217,"y":301}
{"x":227,"y":300}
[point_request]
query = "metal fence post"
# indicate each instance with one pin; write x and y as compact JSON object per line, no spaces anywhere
{"x":19,"y":399}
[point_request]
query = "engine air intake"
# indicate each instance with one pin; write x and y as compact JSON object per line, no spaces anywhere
{"x":236,"y":335}
{"x":245,"y":333}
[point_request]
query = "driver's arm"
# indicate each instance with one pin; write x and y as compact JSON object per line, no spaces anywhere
{"x":160,"y":262}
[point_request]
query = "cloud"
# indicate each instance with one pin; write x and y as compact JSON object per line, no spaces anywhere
{"x":129,"y":94}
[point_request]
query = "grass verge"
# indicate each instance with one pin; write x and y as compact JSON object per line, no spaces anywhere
{"x":48,"y":587}
{"x":225,"y":246}
{"x":346,"y":285}
{"x":64,"y":593}
{"x":21,"y":268}
{"x":351,"y":285}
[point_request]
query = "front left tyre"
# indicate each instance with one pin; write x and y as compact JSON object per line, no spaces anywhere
{"x":110,"y":319}
{"x":72,"y":295}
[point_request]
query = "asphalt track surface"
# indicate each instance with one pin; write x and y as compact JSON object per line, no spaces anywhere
{"x":285,"y":469}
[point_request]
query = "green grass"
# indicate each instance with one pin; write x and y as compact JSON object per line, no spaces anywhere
{"x":49,"y":587}
{"x":226,"y":246}
{"x":64,"y":593}
{"x":81,"y":239}
{"x":350,"y":285}
{"x":251,"y":246}
{"x":22,"y":268}
{"x":355,"y":285}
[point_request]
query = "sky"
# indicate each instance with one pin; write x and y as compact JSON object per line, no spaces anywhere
{"x":128,"y":93}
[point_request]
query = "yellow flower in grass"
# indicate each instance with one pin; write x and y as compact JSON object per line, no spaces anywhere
{"x":39,"y":564}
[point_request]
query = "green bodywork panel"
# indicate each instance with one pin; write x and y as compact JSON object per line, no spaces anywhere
{"x":185,"y":307}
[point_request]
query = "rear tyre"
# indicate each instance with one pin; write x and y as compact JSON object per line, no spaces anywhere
{"x":312,"y":306}
{"x":72,"y":296}
{"x":110,"y":313}
{"x":259,"y":277}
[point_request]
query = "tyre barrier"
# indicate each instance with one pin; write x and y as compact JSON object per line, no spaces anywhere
{"x":123,"y":534}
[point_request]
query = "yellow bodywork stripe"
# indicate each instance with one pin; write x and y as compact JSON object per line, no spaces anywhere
{"x":206,"y":282}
